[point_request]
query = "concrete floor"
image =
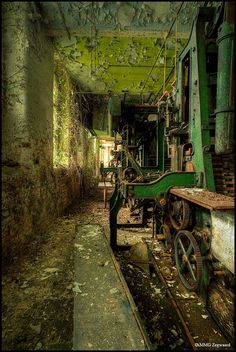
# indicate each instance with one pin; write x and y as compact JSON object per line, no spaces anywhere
{"x":103,"y":316}
{"x":41,"y":291}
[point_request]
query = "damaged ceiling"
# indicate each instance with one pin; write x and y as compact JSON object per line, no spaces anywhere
{"x":113,"y":46}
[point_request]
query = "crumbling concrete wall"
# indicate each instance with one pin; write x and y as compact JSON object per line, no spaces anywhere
{"x":34,"y":191}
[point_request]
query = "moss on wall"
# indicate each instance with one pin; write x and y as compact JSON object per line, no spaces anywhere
{"x":62,"y":115}
{"x":14,"y":126}
{"x":34,"y":190}
{"x":73,"y":144}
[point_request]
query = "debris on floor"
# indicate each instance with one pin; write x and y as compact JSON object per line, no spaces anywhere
{"x":38,"y":289}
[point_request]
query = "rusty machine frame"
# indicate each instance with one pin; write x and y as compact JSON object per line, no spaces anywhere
{"x":177,"y":157}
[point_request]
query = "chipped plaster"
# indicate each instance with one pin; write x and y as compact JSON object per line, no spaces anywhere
{"x":113,"y":45}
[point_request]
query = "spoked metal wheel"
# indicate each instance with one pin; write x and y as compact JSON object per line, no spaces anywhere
{"x":188,"y":259}
{"x":179,"y":212}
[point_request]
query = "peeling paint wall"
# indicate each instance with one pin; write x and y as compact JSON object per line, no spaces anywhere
{"x":113,"y":45}
{"x":118,"y":15}
{"x":34,"y":191}
{"x":119,"y":63}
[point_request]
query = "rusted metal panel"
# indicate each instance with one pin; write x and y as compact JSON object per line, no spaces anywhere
{"x":204,"y":198}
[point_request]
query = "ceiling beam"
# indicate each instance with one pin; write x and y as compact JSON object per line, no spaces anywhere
{"x":107,"y":33}
{"x":159,"y":66}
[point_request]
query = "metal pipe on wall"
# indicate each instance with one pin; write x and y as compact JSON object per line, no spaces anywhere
{"x":224,"y":134}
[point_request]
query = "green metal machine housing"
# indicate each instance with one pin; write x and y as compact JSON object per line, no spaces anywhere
{"x":178,"y":157}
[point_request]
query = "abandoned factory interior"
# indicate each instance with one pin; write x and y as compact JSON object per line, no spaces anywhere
{"x":118,"y":175}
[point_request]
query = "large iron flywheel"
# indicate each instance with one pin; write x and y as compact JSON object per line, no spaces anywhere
{"x":188,"y":259}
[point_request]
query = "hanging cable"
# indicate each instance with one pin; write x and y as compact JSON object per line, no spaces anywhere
{"x":95,"y":38}
{"x":91,"y":52}
{"x":93,"y":43}
{"x":174,"y":69}
{"x":176,"y":44}
{"x":164,"y":74}
{"x":161,"y":89}
{"x":162,"y":46}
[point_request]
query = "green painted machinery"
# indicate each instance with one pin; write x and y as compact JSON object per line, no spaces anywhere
{"x":177,"y":158}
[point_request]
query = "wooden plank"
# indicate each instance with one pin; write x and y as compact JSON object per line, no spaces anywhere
{"x":204,"y":198}
{"x":105,"y":185}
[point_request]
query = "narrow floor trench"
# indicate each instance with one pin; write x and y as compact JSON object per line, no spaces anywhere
{"x":117,"y":131}
{"x":38,"y":289}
